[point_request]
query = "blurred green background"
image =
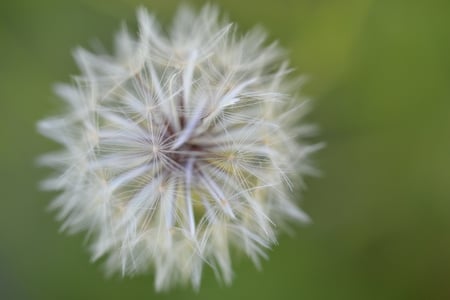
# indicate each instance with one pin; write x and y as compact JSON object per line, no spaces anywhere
{"x":380,"y":74}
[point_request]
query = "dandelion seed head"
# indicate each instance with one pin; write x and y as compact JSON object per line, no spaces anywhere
{"x":179,"y":148}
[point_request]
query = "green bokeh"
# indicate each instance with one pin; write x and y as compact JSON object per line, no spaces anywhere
{"x":380,"y":74}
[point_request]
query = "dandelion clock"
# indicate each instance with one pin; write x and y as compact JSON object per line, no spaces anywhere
{"x":179,"y":149}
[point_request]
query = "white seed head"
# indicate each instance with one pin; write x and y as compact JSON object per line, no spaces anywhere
{"x":179,"y":148}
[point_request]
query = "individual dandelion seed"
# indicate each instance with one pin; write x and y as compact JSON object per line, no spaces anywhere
{"x":179,"y":148}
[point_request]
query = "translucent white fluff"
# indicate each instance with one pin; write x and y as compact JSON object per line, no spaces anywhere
{"x":179,"y":148}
